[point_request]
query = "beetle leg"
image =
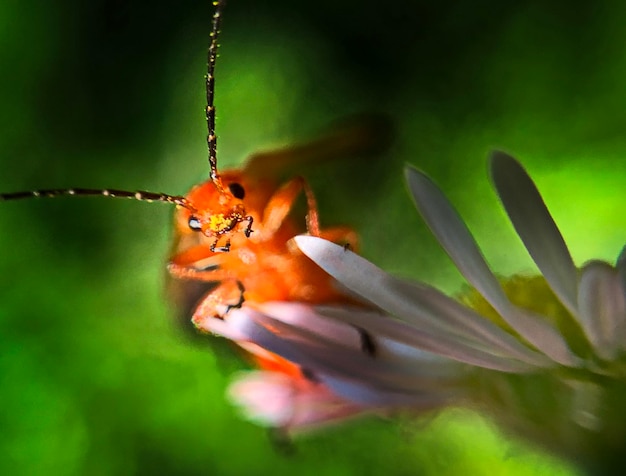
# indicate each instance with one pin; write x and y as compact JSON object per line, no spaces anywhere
{"x":227,"y":295}
{"x":281,"y":203}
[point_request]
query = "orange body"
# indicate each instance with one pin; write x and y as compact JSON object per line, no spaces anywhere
{"x":262,"y":267}
{"x":233,"y":233}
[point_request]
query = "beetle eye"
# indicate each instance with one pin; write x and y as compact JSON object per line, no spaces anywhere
{"x":194,"y":224}
{"x":237,"y":190}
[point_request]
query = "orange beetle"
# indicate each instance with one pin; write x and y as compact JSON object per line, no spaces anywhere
{"x":259,"y":263}
{"x":233,"y":232}
{"x":265,"y":266}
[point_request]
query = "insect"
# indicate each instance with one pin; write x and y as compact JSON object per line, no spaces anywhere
{"x":232,"y":232}
{"x":232,"y":243}
{"x":218,"y":219}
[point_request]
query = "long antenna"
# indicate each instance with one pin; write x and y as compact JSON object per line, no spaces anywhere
{"x":211,"y":138}
{"x":141,"y":196}
{"x":152,"y":196}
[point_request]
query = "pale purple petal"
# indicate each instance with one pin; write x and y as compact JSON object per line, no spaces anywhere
{"x":536,"y":228}
{"x":348,"y":371}
{"x":415,"y":303}
{"x":266,"y":398}
{"x":232,"y":328}
{"x":621,"y":270}
{"x":278,"y":400}
{"x":544,"y":336}
{"x":454,"y":237}
{"x":442,"y":314}
{"x":305,"y":317}
{"x":319,"y":355}
{"x":447,"y":346}
{"x":315,"y":320}
{"x":602,"y":308}
{"x":312,"y":350}
{"x":410,"y":302}
{"x":458,"y":242}
{"x":360,"y":392}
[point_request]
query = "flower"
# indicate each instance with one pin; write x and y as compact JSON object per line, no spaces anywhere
{"x":545,"y":354}
{"x":317,"y":370}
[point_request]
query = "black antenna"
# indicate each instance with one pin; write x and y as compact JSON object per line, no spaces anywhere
{"x":152,"y":196}
{"x":110,"y":193}
{"x":211,"y":138}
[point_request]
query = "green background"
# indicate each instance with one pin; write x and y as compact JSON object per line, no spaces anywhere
{"x":96,"y":377}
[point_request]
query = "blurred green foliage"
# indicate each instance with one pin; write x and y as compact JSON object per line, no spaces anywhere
{"x":95,"y":377}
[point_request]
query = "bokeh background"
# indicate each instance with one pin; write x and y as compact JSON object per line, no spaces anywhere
{"x":96,"y":377}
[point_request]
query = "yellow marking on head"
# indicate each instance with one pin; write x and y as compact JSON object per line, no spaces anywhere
{"x":219,"y":222}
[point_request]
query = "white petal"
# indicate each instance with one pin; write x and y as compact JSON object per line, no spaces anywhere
{"x":447,"y":346}
{"x":602,"y":308}
{"x":415,"y":361}
{"x":536,"y":228}
{"x":406,"y":301}
{"x":458,"y":242}
{"x":416,"y":303}
{"x":305,"y":316}
{"x":361,"y":393}
{"x":437,"y":311}
{"x":454,"y":237}
{"x":223,"y":328}
{"x":265,"y":397}
{"x":279,"y":400}
{"x":326,"y":323}
{"x":621,"y":270}
{"x":319,"y":355}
